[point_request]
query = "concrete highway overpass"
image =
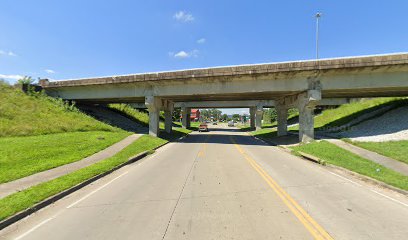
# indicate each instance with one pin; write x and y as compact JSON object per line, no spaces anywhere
{"x":301,"y":84}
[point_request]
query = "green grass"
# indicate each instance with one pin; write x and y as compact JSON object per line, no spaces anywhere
{"x":265,"y":133}
{"x":397,"y":150}
{"x":141,"y":117}
{"x":19,"y":201}
{"x":343,"y":158}
{"x":24,"y":156}
{"x":345,"y":113}
{"x":24,"y":115}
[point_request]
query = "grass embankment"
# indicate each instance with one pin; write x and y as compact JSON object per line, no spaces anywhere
{"x":340,"y":116}
{"x":397,"y":150}
{"x":38,"y":132}
{"x":23,"y":156}
{"x":25,"y":115}
{"x":345,"y":113}
{"x":142,"y":118}
{"x":343,"y":158}
{"x":19,"y":201}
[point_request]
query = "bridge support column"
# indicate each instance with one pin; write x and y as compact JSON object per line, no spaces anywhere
{"x":153,"y":105}
{"x":306,"y":105}
{"x":252,"y":111}
{"x":282,"y":114}
{"x":186,"y":112}
{"x":168,"y":117}
{"x":258,"y":116}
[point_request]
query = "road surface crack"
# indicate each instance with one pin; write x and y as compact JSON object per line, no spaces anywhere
{"x":182,"y":190}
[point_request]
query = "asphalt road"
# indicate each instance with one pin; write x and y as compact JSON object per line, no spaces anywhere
{"x":221,"y":185}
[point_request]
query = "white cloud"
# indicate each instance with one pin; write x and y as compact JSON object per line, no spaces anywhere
{"x":13,"y":77}
{"x":183,"y":16}
{"x":184,"y":54}
{"x":8,"y":53}
{"x":181,"y":54}
{"x":49,"y":71}
{"x":201,"y":40}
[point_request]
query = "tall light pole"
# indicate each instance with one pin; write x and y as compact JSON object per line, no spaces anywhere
{"x":318,"y":15}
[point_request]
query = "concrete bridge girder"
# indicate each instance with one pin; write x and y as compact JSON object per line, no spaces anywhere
{"x":300,"y":84}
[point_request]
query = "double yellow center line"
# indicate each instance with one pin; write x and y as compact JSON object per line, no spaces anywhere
{"x":203,"y":147}
{"x":310,"y":224}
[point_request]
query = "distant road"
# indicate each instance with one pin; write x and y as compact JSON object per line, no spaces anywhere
{"x":221,"y":185}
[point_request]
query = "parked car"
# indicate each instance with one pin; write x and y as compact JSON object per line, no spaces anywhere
{"x":231,"y":123}
{"x":215,"y":123}
{"x":203,"y":127}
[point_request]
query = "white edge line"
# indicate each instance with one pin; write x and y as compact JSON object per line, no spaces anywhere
{"x":34,"y":228}
{"x":91,"y":193}
{"x":372,"y":190}
{"x":345,"y":179}
{"x":390,"y":198}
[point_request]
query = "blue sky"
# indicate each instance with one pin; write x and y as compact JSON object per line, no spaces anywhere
{"x":75,"y":39}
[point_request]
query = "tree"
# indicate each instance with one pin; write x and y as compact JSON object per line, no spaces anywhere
{"x":176,"y":114}
{"x":205,"y":114}
{"x":269,"y":115}
{"x":26,"y":80}
{"x":216,"y":113}
{"x":236,"y":117}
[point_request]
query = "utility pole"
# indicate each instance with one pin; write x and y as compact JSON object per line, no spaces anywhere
{"x":318,"y":15}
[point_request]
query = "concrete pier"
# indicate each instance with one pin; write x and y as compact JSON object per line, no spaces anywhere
{"x":153,"y":106}
{"x":252,"y":112}
{"x":186,"y":112}
{"x":282,"y":117}
{"x":258,"y":117}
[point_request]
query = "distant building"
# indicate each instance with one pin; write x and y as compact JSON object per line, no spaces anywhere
{"x":195,"y":115}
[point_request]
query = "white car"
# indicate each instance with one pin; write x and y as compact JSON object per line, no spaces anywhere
{"x":230,"y":123}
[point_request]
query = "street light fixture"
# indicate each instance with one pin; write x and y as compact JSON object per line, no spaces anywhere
{"x":318,"y":15}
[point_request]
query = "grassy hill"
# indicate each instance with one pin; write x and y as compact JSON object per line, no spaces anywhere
{"x":339,"y":116}
{"x":25,"y":115}
{"x":39,"y":133}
